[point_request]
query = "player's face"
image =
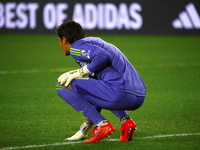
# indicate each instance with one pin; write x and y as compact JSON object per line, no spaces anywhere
{"x":65,"y":46}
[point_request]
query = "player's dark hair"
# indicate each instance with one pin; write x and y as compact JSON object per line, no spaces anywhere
{"x":71,"y":30}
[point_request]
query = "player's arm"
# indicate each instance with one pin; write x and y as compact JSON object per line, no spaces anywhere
{"x":100,"y":58}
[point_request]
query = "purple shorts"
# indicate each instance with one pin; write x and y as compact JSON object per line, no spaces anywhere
{"x":102,"y":95}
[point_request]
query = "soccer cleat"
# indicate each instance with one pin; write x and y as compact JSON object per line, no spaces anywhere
{"x":77,"y":136}
{"x":98,"y":133}
{"x":127,"y":130}
{"x":82,"y":133}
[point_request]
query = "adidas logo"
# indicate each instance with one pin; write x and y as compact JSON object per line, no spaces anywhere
{"x":188,"y":19}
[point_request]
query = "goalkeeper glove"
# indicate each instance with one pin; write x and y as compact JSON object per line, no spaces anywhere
{"x":67,"y":77}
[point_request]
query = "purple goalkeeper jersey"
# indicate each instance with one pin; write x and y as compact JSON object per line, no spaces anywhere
{"x":108,"y":64}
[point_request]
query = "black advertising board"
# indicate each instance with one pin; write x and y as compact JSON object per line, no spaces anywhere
{"x":140,"y":17}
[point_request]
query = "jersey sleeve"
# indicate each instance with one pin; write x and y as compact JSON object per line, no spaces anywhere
{"x":97,"y":57}
{"x":100,"y":58}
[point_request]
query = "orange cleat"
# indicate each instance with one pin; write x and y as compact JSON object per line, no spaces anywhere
{"x":98,"y":133}
{"x":127,"y":130}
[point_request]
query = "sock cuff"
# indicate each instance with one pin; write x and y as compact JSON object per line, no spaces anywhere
{"x":102,"y":123}
{"x":124,"y":118}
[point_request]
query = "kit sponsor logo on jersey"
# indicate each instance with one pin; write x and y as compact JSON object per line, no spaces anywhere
{"x":83,"y":53}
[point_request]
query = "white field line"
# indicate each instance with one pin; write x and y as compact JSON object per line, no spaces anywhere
{"x":34,"y":71}
{"x":77,"y":142}
{"x":68,"y":69}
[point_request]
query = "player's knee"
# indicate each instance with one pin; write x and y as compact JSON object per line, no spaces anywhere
{"x":61,"y":87}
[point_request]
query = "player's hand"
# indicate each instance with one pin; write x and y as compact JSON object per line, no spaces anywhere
{"x":70,"y":76}
{"x":62,"y":76}
{"x":67,"y":77}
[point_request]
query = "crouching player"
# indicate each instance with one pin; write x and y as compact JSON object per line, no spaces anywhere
{"x":112,"y":84}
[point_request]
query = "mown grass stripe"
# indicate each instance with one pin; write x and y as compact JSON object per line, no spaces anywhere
{"x":68,"y":69}
{"x":77,"y":142}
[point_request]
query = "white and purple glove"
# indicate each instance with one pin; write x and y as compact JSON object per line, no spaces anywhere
{"x":67,"y":77}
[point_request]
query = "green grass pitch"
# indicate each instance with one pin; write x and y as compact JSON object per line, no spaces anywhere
{"x":31,"y":113}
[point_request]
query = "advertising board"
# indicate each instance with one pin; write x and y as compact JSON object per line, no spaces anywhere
{"x":166,"y":17}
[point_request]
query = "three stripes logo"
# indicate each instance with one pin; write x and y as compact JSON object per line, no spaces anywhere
{"x":187,"y":19}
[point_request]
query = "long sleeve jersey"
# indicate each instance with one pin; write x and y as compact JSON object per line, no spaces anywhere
{"x":108,"y":64}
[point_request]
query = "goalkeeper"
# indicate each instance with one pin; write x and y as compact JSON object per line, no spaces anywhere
{"x":112,"y":84}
